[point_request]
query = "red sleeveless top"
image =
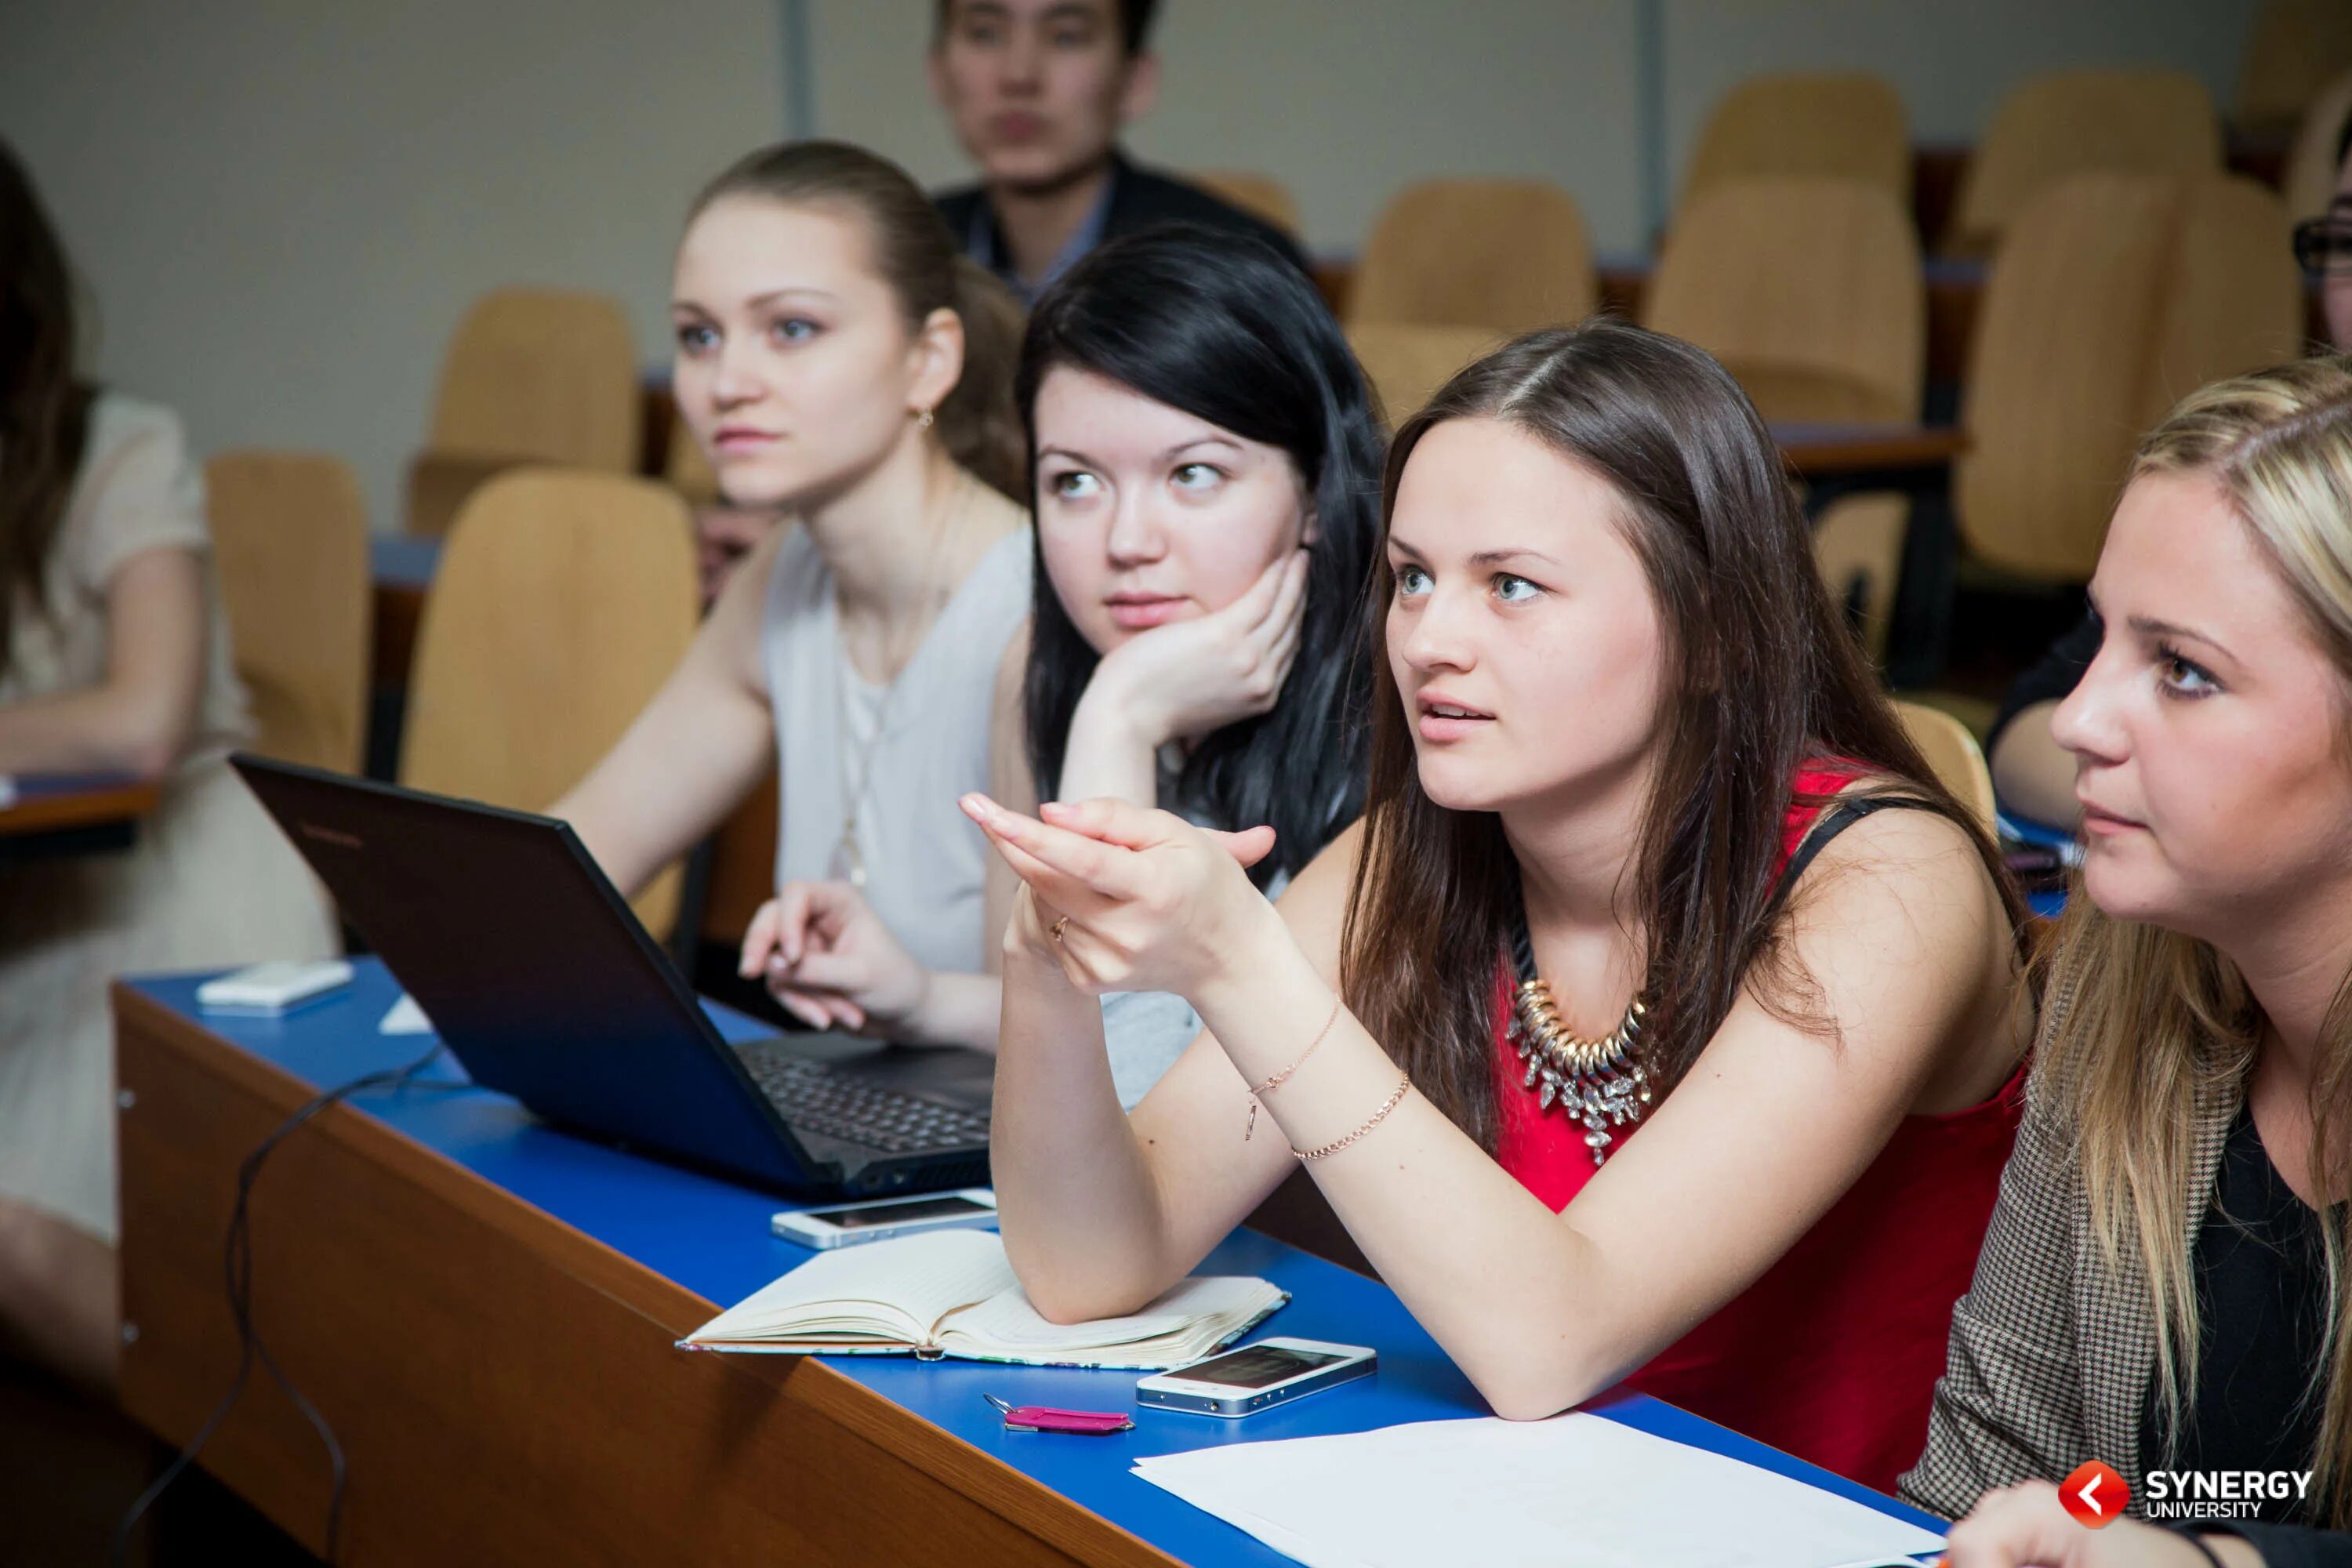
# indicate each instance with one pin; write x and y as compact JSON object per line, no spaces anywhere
{"x":1833,"y":1353}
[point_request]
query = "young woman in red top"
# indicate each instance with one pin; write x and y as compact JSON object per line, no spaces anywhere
{"x":1626,"y":816}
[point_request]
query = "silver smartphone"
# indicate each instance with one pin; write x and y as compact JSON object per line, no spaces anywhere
{"x":1255,"y":1377}
{"x":847,"y":1225}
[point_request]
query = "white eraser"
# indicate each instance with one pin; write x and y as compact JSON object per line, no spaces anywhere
{"x":272,"y":987}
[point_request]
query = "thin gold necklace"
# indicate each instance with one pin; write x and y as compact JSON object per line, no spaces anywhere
{"x":848,"y":859}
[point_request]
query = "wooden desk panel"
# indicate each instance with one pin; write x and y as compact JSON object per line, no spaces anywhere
{"x":505,"y":1388}
{"x":1833,"y":450}
{"x":107,"y":805}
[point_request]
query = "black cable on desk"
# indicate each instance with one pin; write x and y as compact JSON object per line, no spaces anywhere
{"x":236,"y":1267}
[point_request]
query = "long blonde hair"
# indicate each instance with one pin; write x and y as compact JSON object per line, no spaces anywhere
{"x":2152,"y":1031}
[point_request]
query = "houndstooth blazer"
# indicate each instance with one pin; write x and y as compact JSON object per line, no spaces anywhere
{"x":2052,"y":1351}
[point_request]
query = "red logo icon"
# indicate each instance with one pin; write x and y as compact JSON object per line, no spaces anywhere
{"x":2093,"y":1494}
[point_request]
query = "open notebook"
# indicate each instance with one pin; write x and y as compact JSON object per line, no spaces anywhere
{"x":953,"y":1293}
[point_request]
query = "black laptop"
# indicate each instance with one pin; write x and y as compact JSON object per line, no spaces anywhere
{"x":541,"y":982}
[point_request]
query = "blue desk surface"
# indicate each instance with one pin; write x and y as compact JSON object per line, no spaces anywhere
{"x":712,"y":1237}
{"x":403,"y":560}
{"x":54,"y":787}
{"x":2025,"y":830}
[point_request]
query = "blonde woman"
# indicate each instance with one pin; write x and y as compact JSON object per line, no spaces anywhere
{"x":2162,"y":1284}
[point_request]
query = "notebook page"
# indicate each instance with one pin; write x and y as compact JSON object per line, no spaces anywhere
{"x":1184,"y":1324}
{"x":900,"y":1287}
{"x":1575,"y":1492}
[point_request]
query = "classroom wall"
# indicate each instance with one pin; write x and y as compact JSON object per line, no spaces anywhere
{"x":284,"y":206}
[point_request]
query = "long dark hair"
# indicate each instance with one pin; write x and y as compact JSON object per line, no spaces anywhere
{"x":916,"y":255}
{"x":43,"y":411}
{"x":1225,"y":330}
{"x":1763,"y":676}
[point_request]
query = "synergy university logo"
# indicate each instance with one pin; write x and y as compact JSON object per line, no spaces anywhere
{"x":2096,"y":1494}
{"x":2093,"y":1494}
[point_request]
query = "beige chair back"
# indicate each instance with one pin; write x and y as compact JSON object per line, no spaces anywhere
{"x":688,"y":471}
{"x":2295,"y":49}
{"x":2055,"y":394}
{"x":2113,"y":296}
{"x":2235,"y":298}
{"x":562,"y":601}
{"x":1858,"y":547}
{"x":1810,"y":291}
{"x":290,"y":544}
{"x":541,"y":374}
{"x":1953,"y":755}
{"x":1261,"y":196}
{"x":1406,"y":365}
{"x":2309,"y":181}
{"x":1838,"y":124}
{"x":439,"y":484}
{"x":1506,"y":255}
{"x":2143,"y":122}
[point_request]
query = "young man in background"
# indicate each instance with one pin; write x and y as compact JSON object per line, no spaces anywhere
{"x":1037,"y":92}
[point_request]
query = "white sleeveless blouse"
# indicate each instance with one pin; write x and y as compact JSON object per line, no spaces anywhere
{"x":926,"y":863}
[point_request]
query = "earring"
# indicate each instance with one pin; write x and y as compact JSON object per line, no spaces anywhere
{"x":923,"y":420}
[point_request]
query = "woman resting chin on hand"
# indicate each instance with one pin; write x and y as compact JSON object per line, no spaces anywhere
{"x":1205,"y":483}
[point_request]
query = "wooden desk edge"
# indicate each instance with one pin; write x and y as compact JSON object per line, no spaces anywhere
{"x":47,"y":814}
{"x":1926,"y":446}
{"x":670,"y":1308}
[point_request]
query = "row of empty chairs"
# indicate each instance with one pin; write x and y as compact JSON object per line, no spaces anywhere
{"x":549,"y":376}
{"x":1852,"y":125}
{"x":1809,"y":290}
{"x":2115,"y":295}
{"x":563,"y":599}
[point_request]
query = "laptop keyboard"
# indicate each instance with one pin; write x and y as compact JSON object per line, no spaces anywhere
{"x":816,"y":1098}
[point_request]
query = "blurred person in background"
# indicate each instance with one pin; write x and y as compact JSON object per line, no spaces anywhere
{"x":114,"y":658}
{"x":1038,"y":91}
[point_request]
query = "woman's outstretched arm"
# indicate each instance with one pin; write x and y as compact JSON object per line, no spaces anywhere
{"x":1899,"y":927}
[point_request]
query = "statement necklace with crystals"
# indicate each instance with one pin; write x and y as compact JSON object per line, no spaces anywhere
{"x":1601,"y":1082}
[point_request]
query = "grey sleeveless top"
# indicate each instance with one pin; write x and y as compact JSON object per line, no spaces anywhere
{"x":925,"y":862}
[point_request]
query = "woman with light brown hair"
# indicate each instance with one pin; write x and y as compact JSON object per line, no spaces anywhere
{"x":840,"y":366}
{"x":1656,"y":1021}
{"x":2162,"y":1288}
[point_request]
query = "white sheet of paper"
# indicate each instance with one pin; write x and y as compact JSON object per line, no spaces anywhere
{"x":405,"y":1017}
{"x":1575,"y":1492}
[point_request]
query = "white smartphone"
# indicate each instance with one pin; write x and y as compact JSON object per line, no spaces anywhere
{"x":1254,"y":1377}
{"x":847,"y":1225}
{"x":266,"y":990}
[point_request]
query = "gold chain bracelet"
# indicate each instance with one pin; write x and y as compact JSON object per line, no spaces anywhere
{"x":1278,"y":1079}
{"x":1391,"y":1103}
